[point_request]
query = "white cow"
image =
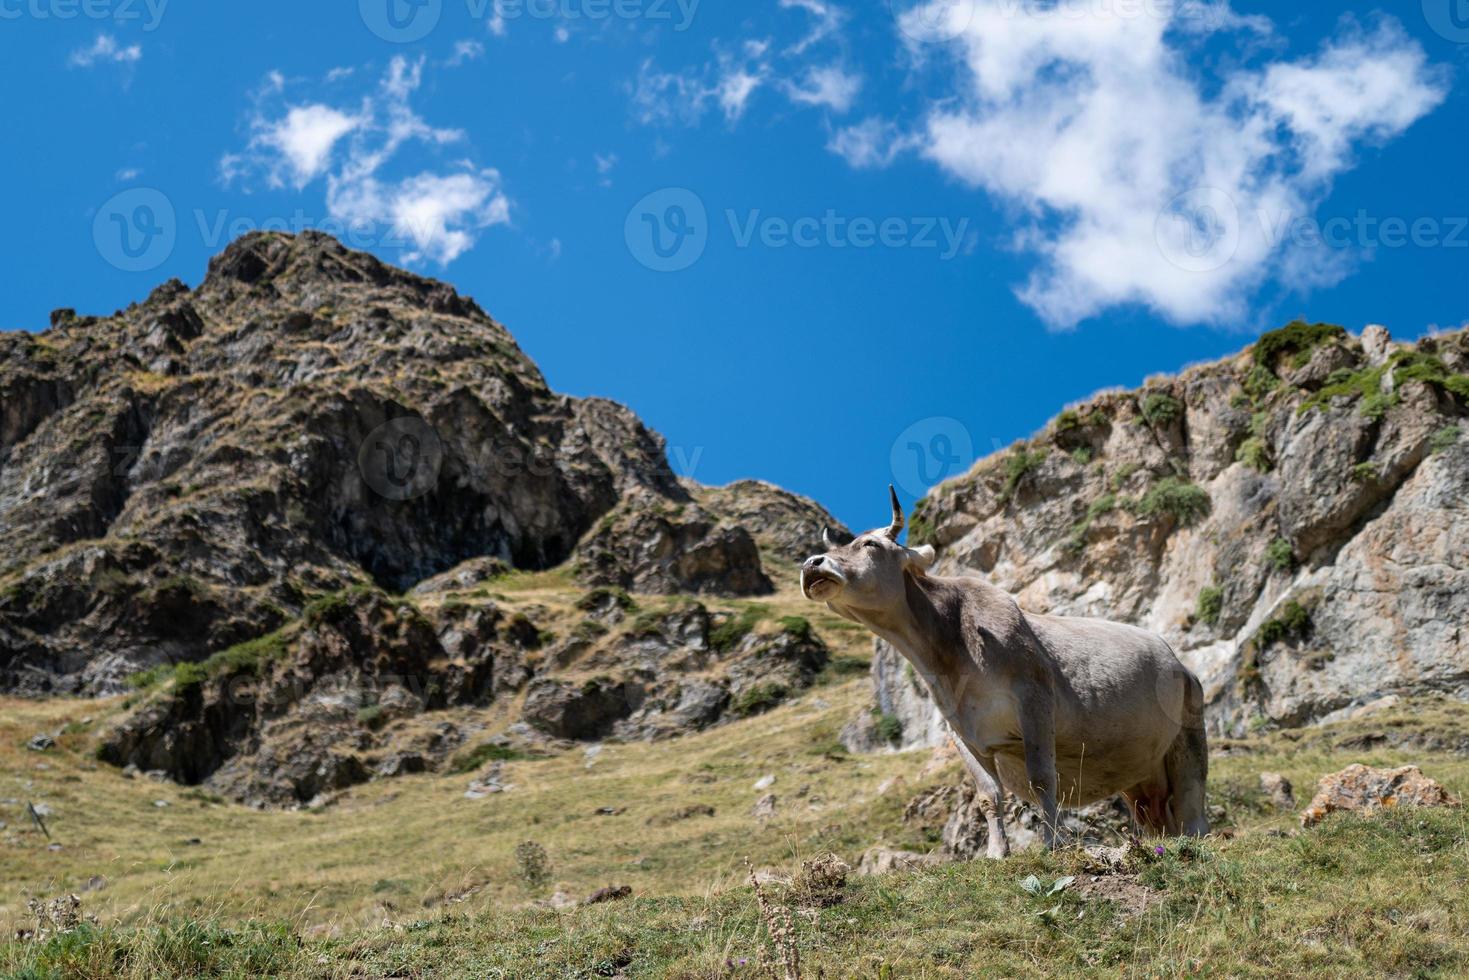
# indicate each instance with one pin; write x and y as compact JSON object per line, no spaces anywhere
{"x":1039,"y":705}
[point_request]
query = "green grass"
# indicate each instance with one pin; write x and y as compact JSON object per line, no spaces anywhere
{"x":1365,"y":386}
{"x":920,"y":529}
{"x":1293,"y":622}
{"x":1210,"y":604}
{"x":1280,"y":554}
{"x":1355,"y":897}
{"x":758,"y":699}
{"x":1017,"y":465}
{"x":1297,"y":339}
{"x":728,"y":634}
{"x":1104,"y":504}
{"x":1184,"y":501}
{"x":1161,"y":409}
{"x":1444,"y":439}
{"x":1255,"y":454}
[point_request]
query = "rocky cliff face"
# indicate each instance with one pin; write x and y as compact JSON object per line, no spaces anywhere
{"x":1293,"y":520}
{"x":285,"y":508}
{"x":189,"y":473}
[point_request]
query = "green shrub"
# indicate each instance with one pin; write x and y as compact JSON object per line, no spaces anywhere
{"x":1161,"y":409}
{"x":1211,"y":603}
{"x":1104,"y":504}
{"x":1443,"y":439}
{"x":1068,"y":420}
{"x":920,"y":528}
{"x":1366,"y":385}
{"x":1298,"y":338}
{"x":728,"y":634}
{"x":1293,"y":622}
{"x":1259,"y":383}
{"x":1177,"y":497}
{"x":187,"y":675}
{"x":371,"y":716}
{"x":476,"y":758}
{"x":598,"y":597}
{"x":846,"y":665}
{"x":1017,"y":465}
{"x":1365,"y":473}
{"x":799,"y":626}
{"x":1255,"y":454}
{"x":889,"y":728}
{"x":1281,"y":555}
{"x":1082,"y":455}
{"x":328,"y":610}
{"x":758,"y":699}
{"x":252,"y":655}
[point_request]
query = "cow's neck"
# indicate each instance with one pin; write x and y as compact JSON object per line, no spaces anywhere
{"x":918,"y":628}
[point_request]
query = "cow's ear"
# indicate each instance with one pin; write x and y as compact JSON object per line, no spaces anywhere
{"x":921,"y":558}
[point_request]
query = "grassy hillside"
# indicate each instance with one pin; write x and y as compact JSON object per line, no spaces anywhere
{"x":407,"y":877}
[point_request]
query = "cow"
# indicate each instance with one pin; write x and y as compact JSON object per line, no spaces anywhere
{"x":1049,"y":708}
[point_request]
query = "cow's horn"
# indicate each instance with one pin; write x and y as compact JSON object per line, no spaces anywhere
{"x":897,"y":527}
{"x":827,"y":541}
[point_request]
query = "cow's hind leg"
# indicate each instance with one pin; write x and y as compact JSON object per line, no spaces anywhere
{"x":991,"y":799}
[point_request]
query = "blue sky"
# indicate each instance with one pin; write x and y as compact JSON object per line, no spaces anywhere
{"x":829,"y":244}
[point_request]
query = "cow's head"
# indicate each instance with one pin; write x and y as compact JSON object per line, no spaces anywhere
{"x":869,"y":572}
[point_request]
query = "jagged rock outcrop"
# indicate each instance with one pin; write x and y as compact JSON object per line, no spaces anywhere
{"x":658,"y":544}
{"x":367,"y":686}
{"x":1292,"y":519}
{"x":190,"y":472}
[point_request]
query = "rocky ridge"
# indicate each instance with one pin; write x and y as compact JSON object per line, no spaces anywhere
{"x":189,"y":473}
{"x":328,"y":524}
{"x":1292,"y":519}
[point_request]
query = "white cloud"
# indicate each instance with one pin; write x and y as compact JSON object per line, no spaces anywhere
{"x":304,"y":139}
{"x":830,"y":86}
{"x":735,"y":89}
{"x":670,"y":97}
{"x":440,"y":212}
{"x":496,"y":23}
{"x":871,"y":144}
{"x":827,"y":21}
{"x":604,"y":164}
{"x":562,"y":34}
{"x":106,"y":49}
{"x":1142,"y":183}
{"x":466,"y":51}
{"x":128,"y":174}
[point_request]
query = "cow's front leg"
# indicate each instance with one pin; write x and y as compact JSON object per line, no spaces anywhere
{"x":991,"y":798}
{"x":1038,"y":731}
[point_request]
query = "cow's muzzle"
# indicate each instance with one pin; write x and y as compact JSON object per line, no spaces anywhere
{"x":820,"y":579}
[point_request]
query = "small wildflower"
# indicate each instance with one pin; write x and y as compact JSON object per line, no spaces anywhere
{"x":1159,"y":850}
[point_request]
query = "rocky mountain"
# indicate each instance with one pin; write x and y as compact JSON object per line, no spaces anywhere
{"x":287,"y":505}
{"x":1293,"y":519}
